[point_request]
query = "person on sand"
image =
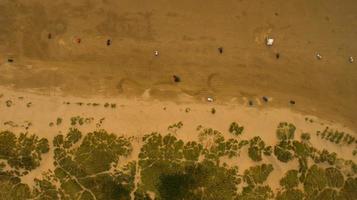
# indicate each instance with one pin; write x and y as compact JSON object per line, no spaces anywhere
{"x":318,"y":56}
{"x":265,"y":98}
{"x":176,"y":78}
{"x":220,"y":50}
{"x":351,"y":59}
{"x":109,"y":42}
{"x":156,"y":52}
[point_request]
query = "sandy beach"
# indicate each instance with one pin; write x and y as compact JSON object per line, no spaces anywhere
{"x":178,"y":100}
{"x":135,"y":117}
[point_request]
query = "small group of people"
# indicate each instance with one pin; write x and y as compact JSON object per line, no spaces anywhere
{"x":269,"y":42}
{"x":79,"y":40}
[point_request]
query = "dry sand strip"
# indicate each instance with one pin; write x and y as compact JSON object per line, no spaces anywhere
{"x":139,"y":116}
{"x":136,"y":117}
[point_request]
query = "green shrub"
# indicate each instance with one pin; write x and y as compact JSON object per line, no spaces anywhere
{"x":315,"y":180}
{"x":330,"y":158}
{"x":58,"y":121}
{"x":305,"y":136}
{"x":283,"y":151}
{"x":349,"y":190}
{"x":268,"y":151}
{"x":257,"y":174}
{"x":235,"y":129}
{"x":334,"y":177}
{"x":291,"y":194}
{"x":290,"y":180}
{"x":328,"y":194}
{"x":255,"y":154}
{"x":354,"y":152}
{"x":73,"y":136}
{"x":256,"y":146}
{"x":285,"y":131}
{"x":256,"y":193}
{"x":22,"y":152}
{"x":175,"y":127}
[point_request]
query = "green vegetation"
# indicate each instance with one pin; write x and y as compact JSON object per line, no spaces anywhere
{"x":85,"y":168}
{"x":168,"y":163}
{"x":257,"y":174}
{"x":256,"y":193}
{"x":100,"y":165}
{"x":58,"y":121}
{"x":291,"y":194}
{"x":349,"y":190}
{"x":334,"y":177}
{"x":235,"y":129}
{"x":11,"y":123}
{"x":315,"y":180}
{"x":79,"y":120}
{"x":11,"y":188}
{"x":336,"y":136}
{"x":220,"y":146}
{"x":325,"y":156}
{"x":285,"y":131}
{"x":175,"y":127}
{"x":284,"y":150}
{"x":257,"y":147}
{"x":254,"y":178}
{"x":290,"y":180}
{"x":305,"y":136}
{"x":106,"y":105}
{"x":23,"y":152}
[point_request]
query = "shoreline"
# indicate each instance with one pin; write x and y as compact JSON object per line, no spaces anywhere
{"x":184,"y":100}
{"x":115,"y":81}
{"x":147,"y":104}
